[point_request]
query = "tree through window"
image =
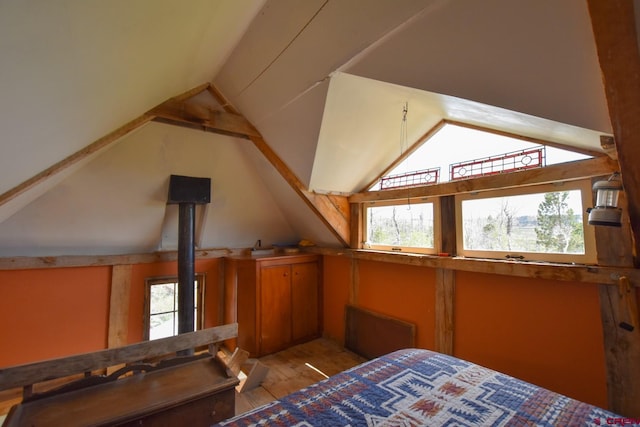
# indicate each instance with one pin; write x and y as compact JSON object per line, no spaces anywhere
{"x":543,"y":223}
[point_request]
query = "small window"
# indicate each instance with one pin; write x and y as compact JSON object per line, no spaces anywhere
{"x":541,"y":223}
{"x":406,"y":226}
{"x":161,"y":306}
{"x":457,"y":152}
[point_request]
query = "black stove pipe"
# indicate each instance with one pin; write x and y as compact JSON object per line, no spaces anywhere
{"x":186,"y":267}
{"x":186,"y":192}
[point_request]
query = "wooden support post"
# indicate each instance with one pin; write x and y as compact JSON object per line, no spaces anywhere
{"x":357,"y":216}
{"x":619,"y":310}
{"x":119,"y":308}
{"x":445,"y":292}
{"x":614,"y":32}
{"x":615,"y":35}
{"x":221,"y":291}
{"x":446,"y":279}
{"x":620,"y":323}
{"x":354,"y":282}
{"x":119,"y":305}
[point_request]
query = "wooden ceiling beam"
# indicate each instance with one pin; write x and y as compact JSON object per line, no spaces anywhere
{"x":182,"y":113}
{"x":74,"y":158}
{"x":334,"y":211}
{"x":97,"y":145}
{"x":614,"y":31}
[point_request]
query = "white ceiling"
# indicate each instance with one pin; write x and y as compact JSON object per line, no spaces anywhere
{"x":320,"y":79}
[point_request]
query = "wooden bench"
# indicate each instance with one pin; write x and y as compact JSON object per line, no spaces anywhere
{"x":153,"y":386}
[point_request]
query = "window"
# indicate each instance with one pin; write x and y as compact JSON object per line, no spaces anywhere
{"x":541,"y":223}
{"x":458,"y":152}
{"x":406,"y":226}
{"x":161,"y":306}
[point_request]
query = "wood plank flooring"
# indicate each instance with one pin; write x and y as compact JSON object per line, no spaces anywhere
{"x":295,"y":368}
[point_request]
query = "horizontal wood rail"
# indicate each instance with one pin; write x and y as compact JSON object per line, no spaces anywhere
{"x":570,"y":171}
{"x":28,"y":263}
{"x":32,"y":373}
{"x":537,"y":270}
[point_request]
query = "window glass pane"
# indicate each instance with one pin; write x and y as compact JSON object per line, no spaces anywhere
{"x":453,"y":144}
{"x":163,"y":307}
{"x":163,"y":297}
{"x":407,"y":225}
{"x":543,"y":222}
{"x":195,"y":297}
{"x":162,"y":325}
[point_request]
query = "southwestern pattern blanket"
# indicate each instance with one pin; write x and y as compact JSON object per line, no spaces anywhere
{"x":416,"y":387}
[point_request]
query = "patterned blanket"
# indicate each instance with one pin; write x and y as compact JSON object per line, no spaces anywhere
{"x":423,"y":388}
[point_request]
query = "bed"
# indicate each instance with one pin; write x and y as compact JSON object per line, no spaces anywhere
{"x":414,"y":387}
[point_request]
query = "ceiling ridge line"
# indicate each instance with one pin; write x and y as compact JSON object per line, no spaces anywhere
{"x":389,"y":34}
{"x":304,"y":27}
{"x":350,"y":61}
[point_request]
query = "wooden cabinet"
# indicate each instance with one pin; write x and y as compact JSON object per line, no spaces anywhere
{"x":274,"y":299}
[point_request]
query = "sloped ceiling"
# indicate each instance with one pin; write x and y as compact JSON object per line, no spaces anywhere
{"x":354,"y":100}
{"x":73,"y":71}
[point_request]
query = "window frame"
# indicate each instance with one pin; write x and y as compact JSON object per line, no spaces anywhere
{"x":200,"y":281}
{"x":584,"y":186}
{"x":435,"y":201}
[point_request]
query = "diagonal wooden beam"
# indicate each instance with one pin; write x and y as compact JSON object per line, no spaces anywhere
{"x":97,"y":145}
{"x":182,"y":113}
{"x":614,"y":31}
{"x":334,"y":211}
{"x":74,"y":158}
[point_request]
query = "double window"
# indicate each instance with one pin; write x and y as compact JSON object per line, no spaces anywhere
{"x":537,"y":223}
{"x":161,"y":306}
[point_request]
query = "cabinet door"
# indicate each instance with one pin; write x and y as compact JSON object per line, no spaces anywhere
{"x":275,"y":308}
{"x":304,"y":300}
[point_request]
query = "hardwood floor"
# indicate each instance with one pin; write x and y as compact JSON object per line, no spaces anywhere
{"x":295,"y":368}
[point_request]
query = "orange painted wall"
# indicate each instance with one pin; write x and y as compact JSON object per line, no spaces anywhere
{"x":396,"y":290}
{"x":55,"y":312}
{"x":545,"y":332}
{"x":336,"y":283}
{"x":401,"y":291}
{"x":52,"y":312}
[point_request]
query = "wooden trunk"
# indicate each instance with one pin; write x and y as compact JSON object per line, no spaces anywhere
{"x":198,"y":393}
